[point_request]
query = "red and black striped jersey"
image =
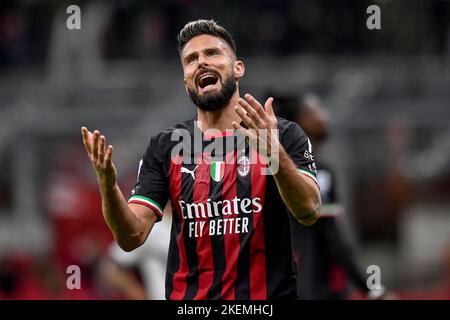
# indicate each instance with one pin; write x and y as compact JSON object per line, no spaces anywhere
{"x":230,"y":236}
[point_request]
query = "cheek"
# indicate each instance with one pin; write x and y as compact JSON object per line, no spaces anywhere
{"x":188,"y":72}
{"x":228,"y":71}
{"x":189,"y":78}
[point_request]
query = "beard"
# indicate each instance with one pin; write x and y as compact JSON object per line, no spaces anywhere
{"x":212,"y":101}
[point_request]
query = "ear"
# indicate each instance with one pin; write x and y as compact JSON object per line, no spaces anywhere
{"x":239,"y":69}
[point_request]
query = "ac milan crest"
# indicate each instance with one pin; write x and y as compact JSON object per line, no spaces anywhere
{"x":243,"y":166}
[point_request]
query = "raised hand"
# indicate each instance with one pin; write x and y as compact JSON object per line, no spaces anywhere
{"x":261,"y":123}
{"x":101,"y":158}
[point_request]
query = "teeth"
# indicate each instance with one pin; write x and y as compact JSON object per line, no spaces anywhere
{"x":206,"y":75}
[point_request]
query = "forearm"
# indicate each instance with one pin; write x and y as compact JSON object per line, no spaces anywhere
{"x":302,"y":199}
{"x":127,"y":228}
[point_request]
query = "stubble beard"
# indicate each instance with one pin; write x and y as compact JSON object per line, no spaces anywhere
{"x":213,"y":101}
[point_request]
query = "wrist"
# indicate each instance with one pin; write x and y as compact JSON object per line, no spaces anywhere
{"x":107,"y":187}
{"x":277,"y":158}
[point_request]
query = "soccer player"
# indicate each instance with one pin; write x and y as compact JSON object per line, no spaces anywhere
{"x":230,"y":236}
{"x":324,"y":260}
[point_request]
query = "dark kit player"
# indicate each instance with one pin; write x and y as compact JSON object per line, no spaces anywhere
{"x":324,"y":258}
{"x":230,"y":236}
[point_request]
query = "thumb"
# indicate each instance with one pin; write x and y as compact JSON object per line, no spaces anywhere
{"x":268,"y":107}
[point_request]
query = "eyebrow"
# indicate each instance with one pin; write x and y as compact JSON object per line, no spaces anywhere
{"x":218,"y":49}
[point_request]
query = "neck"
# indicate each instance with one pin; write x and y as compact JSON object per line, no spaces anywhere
{"x":220,"y":119}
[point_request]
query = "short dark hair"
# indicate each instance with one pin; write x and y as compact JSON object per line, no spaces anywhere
{"x":198,"y":27}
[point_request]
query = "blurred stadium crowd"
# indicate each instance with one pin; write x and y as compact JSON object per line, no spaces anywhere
{"x":386,"y":93}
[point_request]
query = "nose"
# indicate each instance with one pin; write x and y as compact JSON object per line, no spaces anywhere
{"x":202,"y":61}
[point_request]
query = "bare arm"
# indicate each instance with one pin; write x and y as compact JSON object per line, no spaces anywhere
{"x":299,"y":193}
{"x":129,"y":223}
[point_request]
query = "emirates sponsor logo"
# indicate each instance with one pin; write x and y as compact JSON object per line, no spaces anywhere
{"x":218,"y":227}
{"x":217,"y":218}
{"x":211,"y":209}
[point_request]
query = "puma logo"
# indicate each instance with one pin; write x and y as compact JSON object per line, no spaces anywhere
{"x":186,"y":170}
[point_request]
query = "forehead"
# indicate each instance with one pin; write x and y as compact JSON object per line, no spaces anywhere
{"x":205,"y":41}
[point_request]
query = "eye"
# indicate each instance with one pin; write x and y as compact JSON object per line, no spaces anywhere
{"x":191,"y":59}
{"x":212,"y":53}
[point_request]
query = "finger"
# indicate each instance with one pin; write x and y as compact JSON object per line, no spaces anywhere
{"x":250,"y":133}
{"x":268,"y":107}
{"x":95,"y":149}
{"x":108,"y":156}
{"x":255,"y":104}
{"x":101,"y":149}
{"x":244,"y":116}
{"x":239,"y":128}
{"x":86,"y":139}
{"x":253,"y":114}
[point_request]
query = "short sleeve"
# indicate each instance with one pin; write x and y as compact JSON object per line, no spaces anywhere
{"x":151,"y":188}
{"x":299,"y":148}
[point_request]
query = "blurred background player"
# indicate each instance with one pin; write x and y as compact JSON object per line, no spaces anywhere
{"x":149,"y":261}
{"x":325,"y":263}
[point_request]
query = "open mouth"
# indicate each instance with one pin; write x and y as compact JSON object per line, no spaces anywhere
{"x":207,"y":80}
